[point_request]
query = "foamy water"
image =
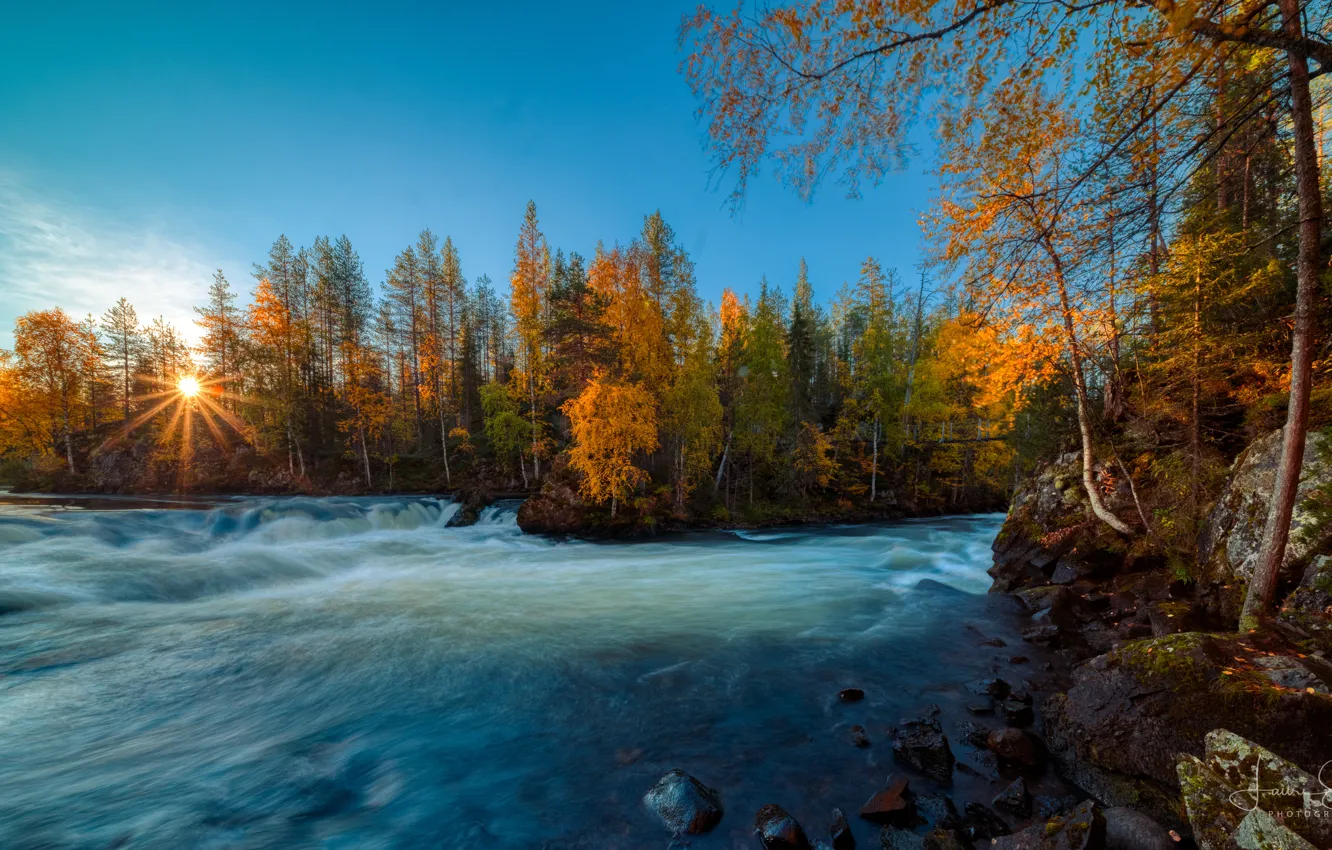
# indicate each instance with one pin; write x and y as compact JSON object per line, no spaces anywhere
{"x":353,"y":673}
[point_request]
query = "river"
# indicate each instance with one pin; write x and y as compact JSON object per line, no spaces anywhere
{"x":341,"y":673}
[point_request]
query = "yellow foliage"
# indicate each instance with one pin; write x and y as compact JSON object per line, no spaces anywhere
{"x":611,"y":424}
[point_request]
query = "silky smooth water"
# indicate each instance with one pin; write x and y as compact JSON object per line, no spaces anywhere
{"x":353,"y":673}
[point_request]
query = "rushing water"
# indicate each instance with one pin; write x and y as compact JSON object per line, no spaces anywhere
{"x":353,"y":673}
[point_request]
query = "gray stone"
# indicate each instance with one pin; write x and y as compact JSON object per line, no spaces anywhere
{"x":1232,"y":533}
{"x":1260,"y":831}
{"x":1129,"y":829}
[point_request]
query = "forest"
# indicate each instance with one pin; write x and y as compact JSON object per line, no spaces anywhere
{"x":614,"y":365}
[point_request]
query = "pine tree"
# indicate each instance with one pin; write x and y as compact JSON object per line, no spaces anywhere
{"x":220,"y":321}
{"x":528,"y":290}
{"x":124,"y":345}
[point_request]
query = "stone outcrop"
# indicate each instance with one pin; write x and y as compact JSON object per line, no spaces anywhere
{"x":1232,"y":533}
{"x":1050,"y":536}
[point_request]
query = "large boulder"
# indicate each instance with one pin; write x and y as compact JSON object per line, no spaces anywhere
{"x":1119,"y":729}
{"x":1233,"y":531}
{"x":685,"y":805}
{"x":1244,"y":795}
{"x":923,"y":745}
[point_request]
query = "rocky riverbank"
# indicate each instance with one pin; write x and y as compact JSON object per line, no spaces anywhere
{"x":1157,"y":663}
{"x":1145,"y":716}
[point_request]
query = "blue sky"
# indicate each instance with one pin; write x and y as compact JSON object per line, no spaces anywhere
{"x":140,"y":148}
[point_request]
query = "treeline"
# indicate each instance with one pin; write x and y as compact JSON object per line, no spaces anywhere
{"x":610,"y":368}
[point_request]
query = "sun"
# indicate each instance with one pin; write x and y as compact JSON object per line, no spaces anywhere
{"x":188,"y":386}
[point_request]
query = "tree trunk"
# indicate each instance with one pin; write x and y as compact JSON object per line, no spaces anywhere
{"x":443,"y":438}
{"x":1195,"y":427}
{"x":874,"y":464}
{"x":1277,"y":531}
{"x":365,"y":458}
{"x":721,"y":468}
{"x":1098,"y":506}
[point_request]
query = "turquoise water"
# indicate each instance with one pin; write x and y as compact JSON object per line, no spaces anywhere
{"x":353,"y":673}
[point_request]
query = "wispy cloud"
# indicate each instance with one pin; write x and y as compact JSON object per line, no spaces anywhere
{"x":57,"y":251}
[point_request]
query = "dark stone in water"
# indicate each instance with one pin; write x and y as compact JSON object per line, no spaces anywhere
{"x":858,"y":736}
{"x":1018,"y":713}
{"x":921,"y":744}
{"x":1018,"y":659}
{"x":996,"y":642}
{"x":851,"y":695}
{"x":684,"y":804}
{"x":1048,"y":807}
{"x":973,"y":734}
{"x":937,"y":810}
{"x":996,"y":688}
{"x":777,"y":830}
{"x":1044,"y":635}
{"x":840,"y":830}
{"x":981,"y":708}
{"x":901,"y":839}
{"x":981,"y":823}
{"x":890,"y":805}
{"x":943,"y":839}
{"x":1015,"y":747}
{"x":1014,"y":799}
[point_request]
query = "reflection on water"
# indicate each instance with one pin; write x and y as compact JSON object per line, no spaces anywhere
{"x":353,"y":673}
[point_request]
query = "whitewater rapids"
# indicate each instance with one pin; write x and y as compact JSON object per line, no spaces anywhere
{"x":355,"y":673}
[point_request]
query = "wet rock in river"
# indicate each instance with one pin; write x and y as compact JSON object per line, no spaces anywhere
{"x":973,"y":734}
{"x":1018,"y":713}
{"x":1014,"y":799}
{"x":840,"y":831}
{"x":684,"y":804}
{"x":777,"y":830}
{"x":937,"y":810}
{"x":980,"y":824}
{"x":1015,"y":747}
{"x":995,"y":688}
{"x":851,"y":695}
{"x":858,"y":736}
{"x":922,"y":744}
{"x":890,"y":805}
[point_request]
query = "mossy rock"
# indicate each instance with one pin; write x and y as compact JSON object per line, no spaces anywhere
{"x":1119,"y":729}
